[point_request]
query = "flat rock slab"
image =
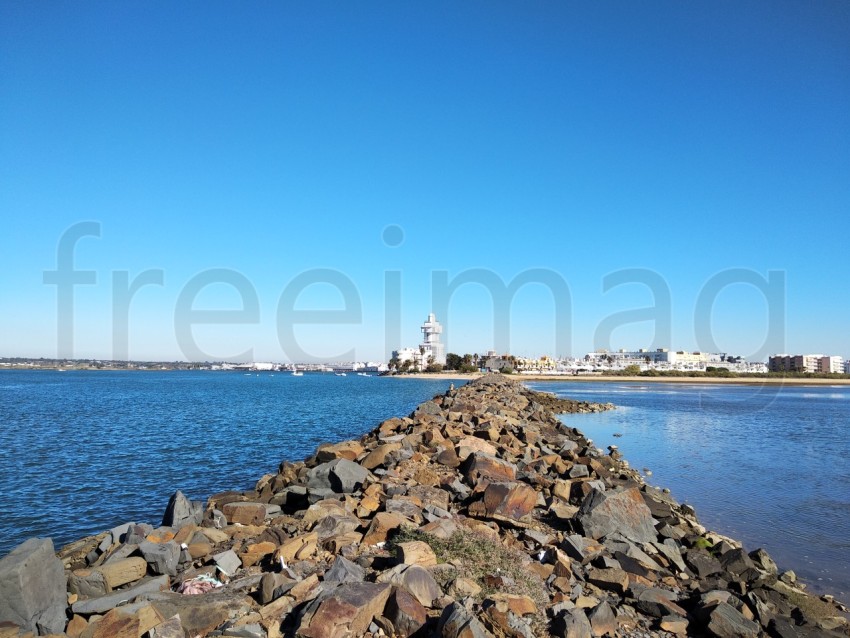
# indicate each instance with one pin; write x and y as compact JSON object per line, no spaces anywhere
{"x":245,"y":513}
{"x":727,"y":622}
{"x":509,"y":500}
{"x":104,"y":603}
{"x":623,"y":511}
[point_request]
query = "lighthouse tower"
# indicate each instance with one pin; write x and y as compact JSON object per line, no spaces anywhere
{"x":431,"y":331}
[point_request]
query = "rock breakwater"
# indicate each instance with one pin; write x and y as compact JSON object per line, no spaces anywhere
{"x":478,"y":515}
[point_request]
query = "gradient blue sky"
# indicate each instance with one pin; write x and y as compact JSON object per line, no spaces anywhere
{"x":273,"y":139}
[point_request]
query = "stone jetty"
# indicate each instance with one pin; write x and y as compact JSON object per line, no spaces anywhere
{"x":478,"y":515}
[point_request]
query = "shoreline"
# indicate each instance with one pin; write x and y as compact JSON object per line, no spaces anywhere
{"x":632,"y":379}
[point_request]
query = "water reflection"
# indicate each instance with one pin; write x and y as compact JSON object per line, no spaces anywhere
{"x":767,"y":465}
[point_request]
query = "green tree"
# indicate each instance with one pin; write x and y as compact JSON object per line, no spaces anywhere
{"x":453,"y":361}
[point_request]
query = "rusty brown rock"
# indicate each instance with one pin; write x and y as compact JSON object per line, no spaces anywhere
{"x":380,"y":527}
{"x":509,"y":500}
{"x":480,"y":467}
{"x":347,"y":612}
{"x":378,"y":456}
{"x":417,"y":553}
{"x":244,"y":513}
{"x":406,"y":613}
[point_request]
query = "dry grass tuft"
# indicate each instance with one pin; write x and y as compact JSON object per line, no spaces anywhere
{"x":477,"y":556}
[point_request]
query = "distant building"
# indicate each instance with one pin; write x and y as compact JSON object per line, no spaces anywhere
{"x":847,"y":367}
{"x":808,"y":363}
{"x":431,"y":350}
{"x":431,"y":331}
{"x":831,"y":365}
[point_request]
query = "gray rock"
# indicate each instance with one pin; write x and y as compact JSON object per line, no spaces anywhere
{"x":254,"y":630}
{"x":347,"y":476}
{"x":32,"y":587}
{"x":137,"y":533}
{"x":572,"y":623}
{"x":602,"y":619}
{"x":171,"y":628}
{"x":335,"y":524}
{"x":344,"y":571}
{"x":727,"y":622}
{"x":181,"y":511}
{"x":119,"y":533}
{"x":103,"y":604}
{"x":456,"y":621}
{"x":416,"y":580}
{"x":162,"y":558}
{"x":579,"y":471}
{"x":228,"y":562}
{"x":622,"y":511}
{"x":703,"y":563}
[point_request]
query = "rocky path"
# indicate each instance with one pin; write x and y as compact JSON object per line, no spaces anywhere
{"x":478,"y":515}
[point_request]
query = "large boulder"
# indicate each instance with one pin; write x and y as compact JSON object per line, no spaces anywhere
{"x":347,"y":611}
{"x":623,"y":511}
{"x":32,"y":587}
{"x":340,"y":476}
{"x":181,"y":511}
{"x":727,"y":622}
{"x":509,"y":500}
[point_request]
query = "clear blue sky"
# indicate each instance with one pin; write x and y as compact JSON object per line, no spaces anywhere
{"x":275,"y":139}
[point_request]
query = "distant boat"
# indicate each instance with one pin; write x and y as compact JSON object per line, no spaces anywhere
{"x":363,"y":374}
{"x":295,"y":373}
{"x":340,"y":374}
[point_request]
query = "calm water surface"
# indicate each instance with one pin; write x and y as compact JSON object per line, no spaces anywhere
{"x":81,"y":452}
{"x":768,"y":466}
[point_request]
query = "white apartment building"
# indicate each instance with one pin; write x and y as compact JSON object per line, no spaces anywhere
{"x":431,"y":350}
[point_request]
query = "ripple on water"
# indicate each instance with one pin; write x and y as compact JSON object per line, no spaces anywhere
{"x":101,"y":448}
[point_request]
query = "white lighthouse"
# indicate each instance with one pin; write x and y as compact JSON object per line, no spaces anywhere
{"x":431,"y":331}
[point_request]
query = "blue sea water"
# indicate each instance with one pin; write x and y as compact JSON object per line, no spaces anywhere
{"x":83,"y":451}
{"x":769,"y":466}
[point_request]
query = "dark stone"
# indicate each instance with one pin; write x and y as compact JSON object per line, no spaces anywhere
{"x":344,"y":571}
{"x":782,"y":628}
{"x":572,"y":623}
{"x":724,"y":621}
{"x":406,"y":613}
{"x":341,"y":476}
{"x":181,"y":511}
{"x":703,"y":563}
{"x":162,"y":558}
{"x":658,"y":603}
{"x":457,"y":622}
{"x":32,"y":587}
